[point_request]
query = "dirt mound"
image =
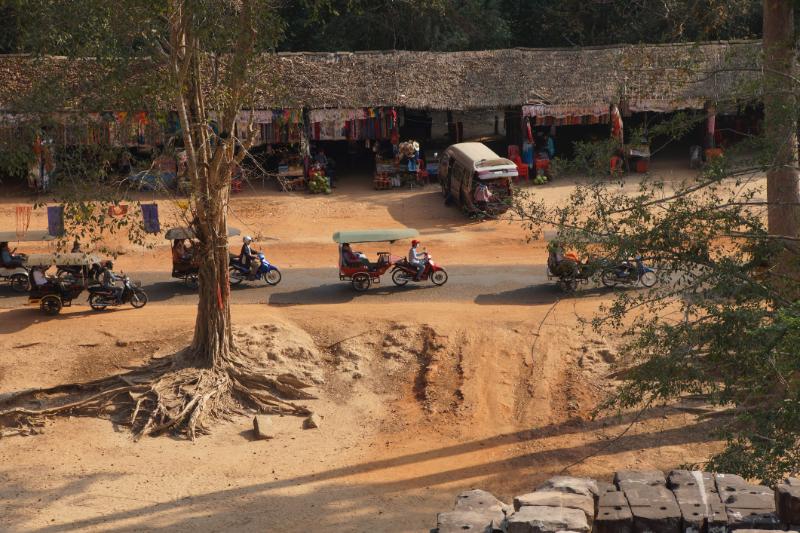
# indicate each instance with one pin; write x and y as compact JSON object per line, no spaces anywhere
{"x":290,"y":349}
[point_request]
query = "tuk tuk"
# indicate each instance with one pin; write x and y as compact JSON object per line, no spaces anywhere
{"x":477,"y":179}
{"x":57,"y":292}
{"x":184,"y":261}
{"x":364,"y":272}
{"x":15,"y":274}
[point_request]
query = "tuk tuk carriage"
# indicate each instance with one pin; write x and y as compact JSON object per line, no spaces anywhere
{"x":477,"y":179}
{"x":364,"y":273}
{"x":184,"y":262}
{"x":16,"y":274}
{"x":59,"y":291}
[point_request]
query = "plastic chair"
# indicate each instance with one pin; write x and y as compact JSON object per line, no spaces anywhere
{"x":513,"y":151}
{"x":423,"y":178}
{"x":522,"y":169}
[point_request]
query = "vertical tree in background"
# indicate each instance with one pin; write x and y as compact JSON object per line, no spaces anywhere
{"x":780,"y":117}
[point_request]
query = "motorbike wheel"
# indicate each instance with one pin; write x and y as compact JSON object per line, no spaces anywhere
{"x":51,"y":305}
{"x":648,"y":279}
{"x":20,"y":283}
{"x":609,"y":277}
{"x":399,"y":277}
{"x":138,"y":299}
{"x":97,"y":303}
{"x":273,"y":277}
{"x":439,"y":278}
{"x":235,"y":276}
{"x":361,"y":282}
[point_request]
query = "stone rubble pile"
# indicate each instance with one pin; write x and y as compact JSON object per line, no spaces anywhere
{"x":636,"y":502}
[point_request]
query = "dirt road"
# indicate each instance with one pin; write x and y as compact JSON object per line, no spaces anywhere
{"x":488,"y":382}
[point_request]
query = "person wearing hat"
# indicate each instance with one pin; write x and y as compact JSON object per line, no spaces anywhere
{"x":414,"y":259}
{"x":248,"y":258}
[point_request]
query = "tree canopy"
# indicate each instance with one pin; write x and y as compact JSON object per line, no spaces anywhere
{"x":443,"y":25}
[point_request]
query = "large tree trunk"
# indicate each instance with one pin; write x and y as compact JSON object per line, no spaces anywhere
{"x":780,"y":117}
{"x":213,"y":340}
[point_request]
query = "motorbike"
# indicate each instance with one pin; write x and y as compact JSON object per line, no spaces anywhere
{"x":132,"y":293}
{"x":404,"y":272}
{"x":267,"y":271}
{"x":568,"y":277}
{"x":629,"y":273}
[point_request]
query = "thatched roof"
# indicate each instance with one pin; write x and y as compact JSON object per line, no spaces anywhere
{"x":672,"y":73}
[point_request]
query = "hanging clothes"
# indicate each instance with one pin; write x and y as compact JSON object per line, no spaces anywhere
{"x":150,"y":217}
{"x":119,"y":210}
{"x":23,"y":220}
{"x":55,"y":220}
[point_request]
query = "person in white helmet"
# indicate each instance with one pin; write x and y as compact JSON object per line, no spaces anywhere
{"x":249,"y":258}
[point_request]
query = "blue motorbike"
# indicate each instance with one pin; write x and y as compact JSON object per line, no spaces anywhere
{"x":267,"y":272}
{"x":629,"y":273}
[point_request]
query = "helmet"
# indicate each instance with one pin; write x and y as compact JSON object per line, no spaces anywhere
{"x":414,"y":242}
{"x":110,"y":265}
{"x":247,"y":239}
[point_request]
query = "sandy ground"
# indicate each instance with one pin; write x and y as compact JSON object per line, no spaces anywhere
{"x":418,"y":402}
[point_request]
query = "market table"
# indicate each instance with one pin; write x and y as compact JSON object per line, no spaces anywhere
{"x":290,"y":180}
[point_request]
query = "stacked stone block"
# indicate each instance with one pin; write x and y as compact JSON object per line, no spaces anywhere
{"x":636,"y":502}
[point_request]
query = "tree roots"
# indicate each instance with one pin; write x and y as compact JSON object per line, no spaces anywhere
{"x":166,"y":395}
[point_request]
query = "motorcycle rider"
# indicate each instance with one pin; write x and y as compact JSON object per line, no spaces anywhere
{"x":415,"y":259}
{"x":248,"y":258}
{"x":108,"y":281}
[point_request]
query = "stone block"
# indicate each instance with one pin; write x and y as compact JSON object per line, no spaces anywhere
{"x":612,"y":499}
{"x":480,"y":501}
{"x":729,"y":483}
{"x":662,"y":517}
{"x":550,"y":498}
{"x":539,"y":519}
{"x":313,"y":421}
{"x":751,"y":519}
{"x":263,"y":428}
{"x":461,"y":521}
{"x":787,"y":503}
{"x":646,"y":495}
{"x":689,"y":480}
{"x":747,"y":499}
{"x":572,"y":485}
{"x":625,"y":479}
{"x":613,"y":514}
{"x":604,"y":486}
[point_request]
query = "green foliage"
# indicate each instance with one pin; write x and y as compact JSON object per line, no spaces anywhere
{"x":724,"y":321}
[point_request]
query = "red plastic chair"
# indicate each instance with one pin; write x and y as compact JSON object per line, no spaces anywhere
{"x":513,"y":151}
{"x":423,"y":178}
{"x":522,"y":169}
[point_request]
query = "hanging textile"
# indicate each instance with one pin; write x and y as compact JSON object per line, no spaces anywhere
{"x":616,"y":125}
{"x":116,"y":211}
{"x":55,"y":220}
{"x":150,"y":217}
{"x":23,"y":220}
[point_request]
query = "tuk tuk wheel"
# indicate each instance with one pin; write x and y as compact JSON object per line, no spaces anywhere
{"x":20,"y":282}
{"x":568,"y":285}
{"x":361,"y":281}
{"x":192,"y":282}
{"x":51,"y":305}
